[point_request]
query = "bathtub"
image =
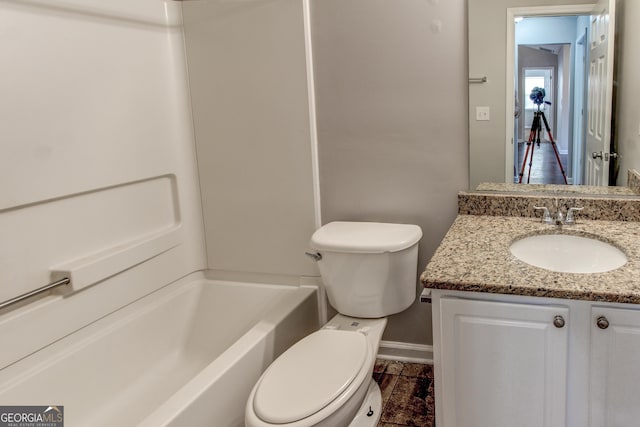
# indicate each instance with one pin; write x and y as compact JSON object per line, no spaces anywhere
{"x":186,"y":355}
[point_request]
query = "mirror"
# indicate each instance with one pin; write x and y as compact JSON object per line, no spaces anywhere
{"x":492,"y":102}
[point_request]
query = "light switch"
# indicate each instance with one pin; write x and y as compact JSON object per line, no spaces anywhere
{"x":483,"y":114}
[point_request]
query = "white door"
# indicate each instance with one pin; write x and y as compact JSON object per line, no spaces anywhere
{"x":600,"y":93}
{"x":579,"y":111}
{"x":615,"y":372}
{"x":503,"y":364}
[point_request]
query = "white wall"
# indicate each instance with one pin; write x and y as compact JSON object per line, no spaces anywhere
{"x":546,"y":30}
{"x":392,"y":128}
{"x":97,"y":157}
{"x":248,"y":77}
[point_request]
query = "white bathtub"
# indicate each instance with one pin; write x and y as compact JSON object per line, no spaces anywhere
{"x":186,"y":355}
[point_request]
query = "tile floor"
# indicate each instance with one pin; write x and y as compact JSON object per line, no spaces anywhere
{"x":407,"y":393}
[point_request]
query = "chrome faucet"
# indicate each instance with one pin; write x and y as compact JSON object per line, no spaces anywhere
{"x":546,"y":216}
{"x":559,"y":218}
{"x":570,"y":217}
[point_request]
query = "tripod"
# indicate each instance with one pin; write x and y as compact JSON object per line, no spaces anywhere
{"x":536,"y":130}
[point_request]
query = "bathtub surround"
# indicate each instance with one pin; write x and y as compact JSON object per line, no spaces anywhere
{"x":101,"y":160}
{"x":98,"y":158}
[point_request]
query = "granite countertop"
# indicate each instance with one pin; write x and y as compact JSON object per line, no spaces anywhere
{"x":474,"y":256}
{"x":556,"y":188}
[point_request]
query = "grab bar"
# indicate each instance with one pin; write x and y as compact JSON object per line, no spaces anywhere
{"x":482,"y":79}
{"x":63,"y":281}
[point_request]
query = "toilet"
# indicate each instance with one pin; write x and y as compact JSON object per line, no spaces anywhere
{"x":324,"y":380}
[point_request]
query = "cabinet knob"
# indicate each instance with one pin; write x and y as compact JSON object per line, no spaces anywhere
{"x":558,"y":321}
{"x":602,"y":322}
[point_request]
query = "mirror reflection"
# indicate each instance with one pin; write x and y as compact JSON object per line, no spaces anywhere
{"x":553,"y":108}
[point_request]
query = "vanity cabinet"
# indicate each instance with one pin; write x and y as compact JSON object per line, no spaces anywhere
{"x":505,"y":361}
{"x":615,"y":367}
{"x":504,"y":364}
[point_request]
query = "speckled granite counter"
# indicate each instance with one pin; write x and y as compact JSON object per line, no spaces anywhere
{"x":474,"y":256}
{"x":512,"y":204}
{"x":556,"y":189}
{"x":632,"y":188}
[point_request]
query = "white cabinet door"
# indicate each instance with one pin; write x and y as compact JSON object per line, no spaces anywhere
{"x":503,"y":364}
{"x":615,"y":368}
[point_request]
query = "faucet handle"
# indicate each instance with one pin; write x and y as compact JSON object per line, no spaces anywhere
{"x":546,"y":216}
{"x":570,"y":219}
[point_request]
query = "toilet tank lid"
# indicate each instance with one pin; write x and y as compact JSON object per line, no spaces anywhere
{"x":365,"y":237}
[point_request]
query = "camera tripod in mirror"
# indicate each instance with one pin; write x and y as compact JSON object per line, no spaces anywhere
{"x":537,"y":96}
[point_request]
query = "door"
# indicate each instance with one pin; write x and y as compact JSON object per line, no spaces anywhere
{"x":600,"y":93}
{"x":615,"y":372}
{"x":541,"y":77}
{"x":579,"y":105}
{"x":503,"y":364}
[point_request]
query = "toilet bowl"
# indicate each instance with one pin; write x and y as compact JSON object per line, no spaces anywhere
{"x":325,"y":379}
{"x":322,"y":380}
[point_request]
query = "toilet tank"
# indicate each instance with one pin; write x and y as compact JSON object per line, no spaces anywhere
{"x":369,"y":269}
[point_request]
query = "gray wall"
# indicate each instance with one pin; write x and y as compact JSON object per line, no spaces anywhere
{"x":392,"y":120}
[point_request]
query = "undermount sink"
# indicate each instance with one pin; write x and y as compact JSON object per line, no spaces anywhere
{"x":567,"y":253}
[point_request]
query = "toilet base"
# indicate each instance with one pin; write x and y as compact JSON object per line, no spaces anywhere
{"x":369,"y":413}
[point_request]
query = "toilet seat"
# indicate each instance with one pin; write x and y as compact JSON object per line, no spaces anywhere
{"x":311,"y":375}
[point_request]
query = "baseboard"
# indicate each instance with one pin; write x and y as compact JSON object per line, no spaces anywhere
{"x":406,"y":352}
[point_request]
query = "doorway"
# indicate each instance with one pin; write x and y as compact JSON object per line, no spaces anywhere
{"x":532,"y":78}
{"x":545,"y":52}
{"x":538,"y":153}
{"x":542,"y":48}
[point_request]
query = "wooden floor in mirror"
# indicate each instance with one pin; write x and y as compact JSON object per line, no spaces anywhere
{"x":544,"y":167}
